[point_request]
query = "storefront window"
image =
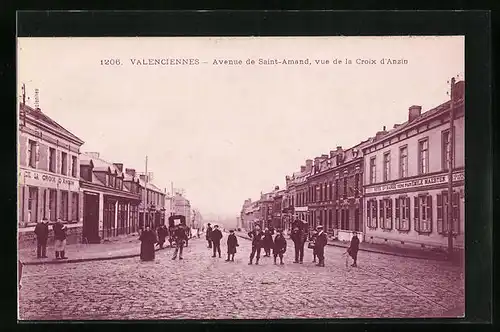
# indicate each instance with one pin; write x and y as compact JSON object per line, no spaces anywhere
{"x":32,"y":204}
{"x":402,"y":214}
{"x":63,"y":213}
{"x":74,"y":206}
{"x":442,"y":213}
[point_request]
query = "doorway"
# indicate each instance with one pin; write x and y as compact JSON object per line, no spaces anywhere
{"x":91,"y":218}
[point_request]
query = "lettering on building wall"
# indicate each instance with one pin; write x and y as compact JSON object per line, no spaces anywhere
{"x":41,"y":179}
{"x":438,"y":179}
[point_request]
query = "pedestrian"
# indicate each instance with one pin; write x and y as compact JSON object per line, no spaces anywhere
{"x":354,"y":248}
{"x":42,"y":234}
{"x":216,"y":237}
{"x":232,"y":243}
{"x":321,"y":241}
{"x":60,"y":239}
{"x":180,"y":238}
{"x":198,"y":233}
{"x":256,"y":235}
{"x":267,"y":242}
{"x":148,"y":240}
{"x":187,"y":230}
{"x":298,"y":242}
{"x":311,"y":245}
{"x":162,"y":234}
{"x":279,"y":247}
{"x":208,"y":235}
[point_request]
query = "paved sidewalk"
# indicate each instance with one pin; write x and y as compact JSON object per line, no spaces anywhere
{"x":381,"y":249}
{"x":119,"y":247}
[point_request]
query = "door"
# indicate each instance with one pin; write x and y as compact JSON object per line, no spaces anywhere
{"x":356,"y":220}
{"x":91,"y":218}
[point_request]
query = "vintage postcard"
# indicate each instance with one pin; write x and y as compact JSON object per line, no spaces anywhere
{"x":241,"y":178}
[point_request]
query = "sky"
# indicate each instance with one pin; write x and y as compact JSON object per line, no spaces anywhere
{"x":224,"y":133}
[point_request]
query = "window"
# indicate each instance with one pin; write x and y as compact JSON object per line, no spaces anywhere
{"x":321,"y":192}
{"x":387,"y":166}
{"x":402,"y":214}
{"x":423,"y":156}
{"x":74,"y":206}
{"x":372,"y":170}
{"x":44,"y":203}
{"x":64,"y":163}
{"x":32,"y":204}
{"x":74,"y":167}
{"x":52,"y":160}
{"x":330,"y":219}
{"x":386,"y":214}
{"x":356,"y":185}
{"x":445,"y":149}
{"x":423,"y":213}
{"x":32,"y":153}
{"x":442,"y":213}
{"x":337,"y":189}
{"x":371,"y":213}
{"x":330,"y":190}
{"x":63,"y":213}
{"x":111,"y":181}
{"x":344,"y":191}
{"x":52,"y":205}
{"x":403,"y":161}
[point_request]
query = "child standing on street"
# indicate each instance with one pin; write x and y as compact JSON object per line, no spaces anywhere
{"x":279,"y":248}
{"x":232,"y":243}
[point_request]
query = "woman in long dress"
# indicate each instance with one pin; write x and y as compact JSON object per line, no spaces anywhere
{"x":148,"y":241}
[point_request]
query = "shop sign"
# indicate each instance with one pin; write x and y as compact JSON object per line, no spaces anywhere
{"x":409,"y":184}
{"x":301,"y":209}
{"x":38,"y":178}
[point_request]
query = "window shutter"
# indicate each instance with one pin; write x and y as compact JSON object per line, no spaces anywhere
{"x":408,"y":213}
{"x":456,"y":213}
{"x":390,"y":214}
{"x":439,"y":208}
{"x":375,"y":217}
{"x":397,"y":222}
{"x":429,"y":212}
{"x":381,"y":214}
{"x":23,"y":150}
{"x":37,"y":152}
{"x":416,"y":213}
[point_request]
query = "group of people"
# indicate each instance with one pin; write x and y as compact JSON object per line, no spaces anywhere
{"x":42,"y":236}
{"x":178,"y":237}
{"x":265,"y":240}
{"x":214,"y":236}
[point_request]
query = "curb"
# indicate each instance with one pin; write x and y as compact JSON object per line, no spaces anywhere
{"x":378,"y":251}
{"x":79,"y":260}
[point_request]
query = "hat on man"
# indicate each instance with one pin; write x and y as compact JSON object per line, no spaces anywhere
{"x":231,"y":231}
{"x":216,"y":226}
{"x":209,"y":224}
{"x":319,"y":227}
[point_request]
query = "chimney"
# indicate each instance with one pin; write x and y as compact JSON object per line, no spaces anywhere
{"x":92,"y":154}
{"x":142,"y":177}
{"x":130,"y":171}
{"x":316,"y":161}
{"x":324,"y":156}
{"x":119,"y":166}
{"x":459,"y":90}
{"x":414,"y":112}
{"x":396,"y":125}
{"x":302,"y":168}
{"x":309,"y":165}
{"x":332,"y":153}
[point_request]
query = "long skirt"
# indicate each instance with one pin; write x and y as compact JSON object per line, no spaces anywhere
{"x":60,"y":245}
{"x":147,"y":251}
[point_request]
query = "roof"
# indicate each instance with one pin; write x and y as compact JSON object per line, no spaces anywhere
{"x":151,"y":186}
{"x":39,"y":115}
{"x":100,"y":165}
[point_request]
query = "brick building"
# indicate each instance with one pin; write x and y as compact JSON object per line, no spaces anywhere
{"x":406,"y":178}
{"x":111,"y":198}
{"x":48,"y":172}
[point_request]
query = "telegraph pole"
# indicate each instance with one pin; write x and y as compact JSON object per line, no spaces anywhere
{"x":451,"y":138}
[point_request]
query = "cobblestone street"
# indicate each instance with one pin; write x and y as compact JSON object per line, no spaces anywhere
{"x":202,"y":287}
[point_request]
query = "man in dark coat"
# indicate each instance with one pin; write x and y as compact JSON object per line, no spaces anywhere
{"x":267,"y":242}
{"x":312,"y":241}
{"x":180,"y":238}
{"x":354,"y":248}
{"x":319,"y":245}
{"x":208,"y":235}
{"x":162,"y":234}
{"x":148,"y":241}
{"x":298,"y":239}
{"x":216,"y":236}
{"x":232,"y":243}
{"x":279,"y":247}
{"x":256,"y":235}
{"x":42,"y":234}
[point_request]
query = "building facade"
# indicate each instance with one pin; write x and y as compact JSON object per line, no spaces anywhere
{"x":406,"y":179}
{"x":300,"y":181}
{"x":111,"y":199}
{"x":48,"y":176}
{"x":151,"y":211}
{"x":182,"y":206}
{"x":277,"y":208}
